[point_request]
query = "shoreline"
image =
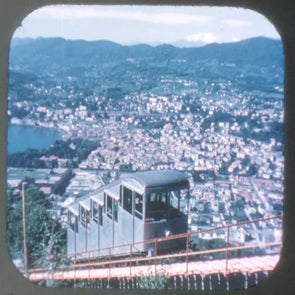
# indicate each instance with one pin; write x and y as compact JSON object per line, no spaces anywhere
{"x":31,"y":123}
{"x":21,"y":137}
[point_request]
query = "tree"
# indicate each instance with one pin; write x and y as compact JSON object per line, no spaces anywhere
{"x":14,"y":232}
{"x":45,"y":237}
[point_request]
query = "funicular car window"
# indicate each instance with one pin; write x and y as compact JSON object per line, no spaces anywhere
{"x":109,"y":206}
{"x":73,"y":221}
{"x":100,"y":216}
{"x":115,"y":210}
{"x":127,"y":199}
{"x":94,"y":211}
{"x":157,"y":206}
{"x":138,"y":205}
{"x":84,"y":216}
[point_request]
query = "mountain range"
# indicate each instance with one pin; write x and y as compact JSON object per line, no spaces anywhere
{"x":42,"y":52}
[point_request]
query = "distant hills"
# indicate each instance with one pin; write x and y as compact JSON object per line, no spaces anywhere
{"x":93,"y":67}
{"x":42,"y":52}
{"x":179,"y":43}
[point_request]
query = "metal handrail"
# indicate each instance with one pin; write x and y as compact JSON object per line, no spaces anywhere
{"x":174,"y":237}
{"x":111,"y":263}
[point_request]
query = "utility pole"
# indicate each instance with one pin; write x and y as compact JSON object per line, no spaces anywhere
{"x":25,"y":226}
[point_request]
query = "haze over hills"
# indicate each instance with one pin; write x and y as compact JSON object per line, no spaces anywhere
{"x":141,"y":67}
{"x":179,"y":43}
{"x":257,"y":50}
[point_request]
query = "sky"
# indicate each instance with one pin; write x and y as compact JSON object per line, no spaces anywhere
{"x":146,"y":24}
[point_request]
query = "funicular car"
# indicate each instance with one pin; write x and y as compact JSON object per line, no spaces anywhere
{"x":138,"y":207}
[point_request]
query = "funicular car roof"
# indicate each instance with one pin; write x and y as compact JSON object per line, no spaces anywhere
{"x":160,"y":179}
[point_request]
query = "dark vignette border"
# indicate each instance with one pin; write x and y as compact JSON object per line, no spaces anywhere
{"x":281,"y":13}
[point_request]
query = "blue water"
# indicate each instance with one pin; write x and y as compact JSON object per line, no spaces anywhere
{"x":21,"y":138}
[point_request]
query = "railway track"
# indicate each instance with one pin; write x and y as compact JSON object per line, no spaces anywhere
{"x":247,"y":265}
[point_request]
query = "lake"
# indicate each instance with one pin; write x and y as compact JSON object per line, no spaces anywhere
{"x":21,"y":138}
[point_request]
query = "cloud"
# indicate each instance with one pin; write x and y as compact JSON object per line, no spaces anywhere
{"x":202,"y":37}
{"x":121,"y":13}
{"x":235,"y":39}
{"x":179,"y":18}
{"x":236,"y":22}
